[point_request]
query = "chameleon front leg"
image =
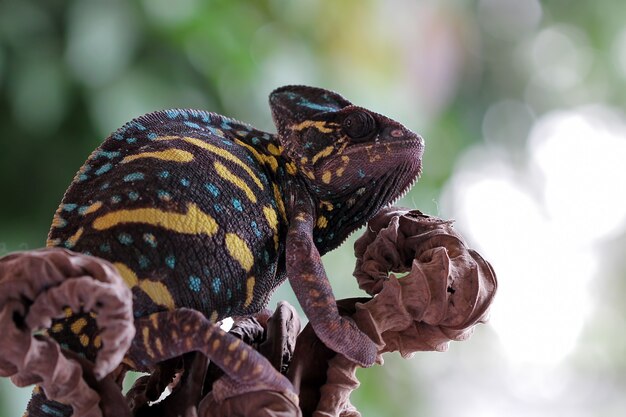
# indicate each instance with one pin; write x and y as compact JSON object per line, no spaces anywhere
{"x":169,"y":334}
{"x":308,"y":279}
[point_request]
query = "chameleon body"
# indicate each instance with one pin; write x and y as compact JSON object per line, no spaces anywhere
{"x":203,"y":212}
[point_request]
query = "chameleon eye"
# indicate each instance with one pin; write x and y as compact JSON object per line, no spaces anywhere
{"x":359,"y":125}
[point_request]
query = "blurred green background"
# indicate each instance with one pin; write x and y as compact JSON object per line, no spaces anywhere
{"x":520,"y":103}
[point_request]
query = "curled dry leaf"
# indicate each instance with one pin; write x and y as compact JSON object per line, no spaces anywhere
{"x":448,"y":287}
{"x":35,"y":286}
{"x":447,"y":290}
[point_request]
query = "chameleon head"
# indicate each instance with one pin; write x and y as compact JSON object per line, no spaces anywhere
{"x":354,"y":161}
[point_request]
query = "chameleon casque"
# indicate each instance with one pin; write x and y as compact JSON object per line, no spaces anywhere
{"x":201,"y":212}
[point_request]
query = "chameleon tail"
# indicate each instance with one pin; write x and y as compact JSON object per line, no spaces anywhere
{"x":39,"y":286}
{"x":169,"y":334}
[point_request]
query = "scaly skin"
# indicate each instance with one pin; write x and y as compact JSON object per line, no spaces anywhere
{"x":201,"y":212}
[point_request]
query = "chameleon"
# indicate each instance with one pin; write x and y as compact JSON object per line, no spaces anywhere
{"x":200,"y":212}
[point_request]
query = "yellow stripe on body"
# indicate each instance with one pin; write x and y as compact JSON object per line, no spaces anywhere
{"x":272,"y":221}
{"x":194,"y":222}
{"x":275,"y":150}
{"x":78,"y":326}
{"x":279,"y":202}
{"x":260,"y":157}
{"x":157,"y":291}
{"x":174,"y":155}
{"x":223,"y":172}
{"x":72,"y":240}
{"x":249,"y":291}
{"x":146,"y":342}
{"x":239,"y":251}
{"x":84,"y":340}
{"x":220,"y":152}
{"x":319,"y":125}
{"x":324,"y":152}
{"x":322,"y":222}
{"x":92,"y":208}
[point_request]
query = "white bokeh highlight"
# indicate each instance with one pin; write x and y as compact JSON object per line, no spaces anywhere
{"x":540,"y":226}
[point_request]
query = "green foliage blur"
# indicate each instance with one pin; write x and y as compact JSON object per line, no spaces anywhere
{"x":71,"y":72}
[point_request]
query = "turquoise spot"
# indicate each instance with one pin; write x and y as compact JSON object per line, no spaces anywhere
{"x":69,"y":207}
{"x":194,"y":283}
{"x":125,"y":239}
{"x":229,"y":293}
{"x":255,"y":140}
{"x":214,"y":131}
{"x":144,"y":262}
{"x":164,"y":195}
{"x":152,"y":136}
{"x":164,"y":174}
{"x":83,"y":177}
{"x":330,"y":236}
{"x":82,"y":210}
{"x":237,"y":204}
{"x":52,"y":411}
{"x":131,"y":140}
{"x":150,"y":239}
{"x":116,"y":199}
{"x":320,"y":240}
{"x":118,"y":136}
{"x":105,"y":186}
{"x":170,"y":261}
{"x":317,"y":106}
{"x":255,"y":228}
{"x":61,"y":222}
{"x":108,"y":154}
{"x":135,"y":176}
{"x":105,"y":247}
{"x":227,"y":142}
{"x":225,"y":125}
{"x":192,"y":124}
{"x":217,"y":208}
{"x":171,"y":113}
{"x":216,"y":285}
{"x":266,"y":257}
{"x":212,"y":189}
{"x":185,"y":182}
{"x":104,"y":168}
{"x":133,"y":195}
{"x":138,"y":126}
{"x":361,"y":173}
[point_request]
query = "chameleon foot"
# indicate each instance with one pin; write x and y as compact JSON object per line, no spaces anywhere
{"x":36,"y":287}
